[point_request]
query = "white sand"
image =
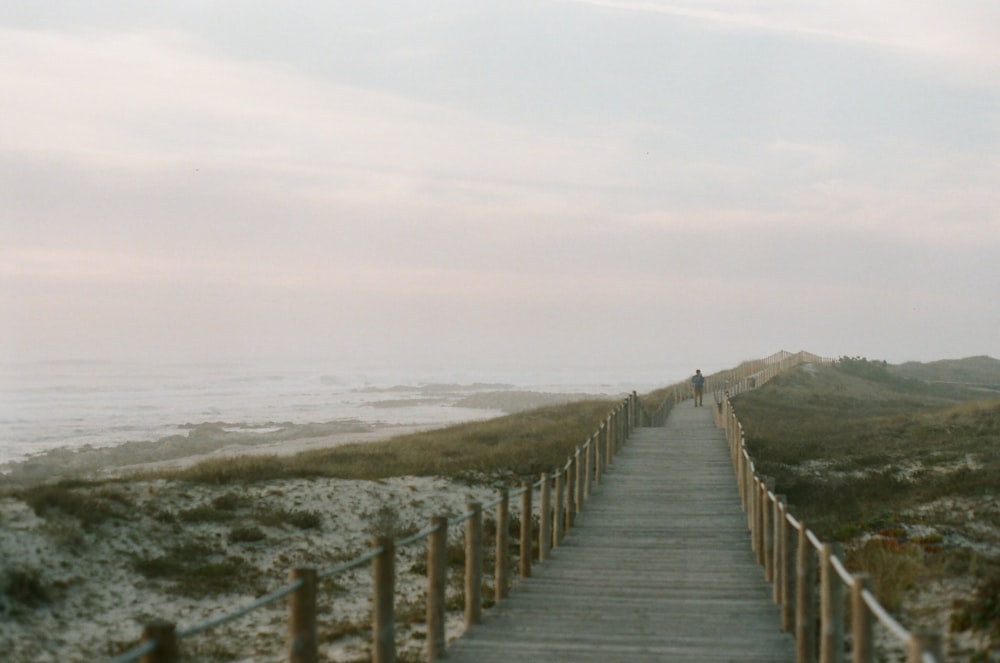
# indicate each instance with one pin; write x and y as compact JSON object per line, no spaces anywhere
{"x":96,"y":601}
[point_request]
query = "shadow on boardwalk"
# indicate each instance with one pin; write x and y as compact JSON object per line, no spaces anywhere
{"x":658,"y":567}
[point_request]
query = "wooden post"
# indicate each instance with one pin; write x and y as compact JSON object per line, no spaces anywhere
{"x":741,"y":477}
{"x":766,"y":542}
{"x":545,"y":519}
{"x":165,"y":635}
{"x":437,"y":577}
{"x":383,"y":598}
{"x":805,"y":601}
{"x":619,"y":418}
{"x":602,"y":444}
{"x":609,"y":440}
{"x":599,"y":454}
{"x":302,"y":641}
{"x":580,"y":478}
{"x":620,"y":415}
{"x":557,"y":512}
{"x":525,"y":559}
{"x":571,"y":473}
{"x":570,"y":494}
{"x":474,"y":564}
{"x":778,"y":562}
{"x":767,"y":530}
{"x":831,"y":607}
{"x":760,"y":522}
{"x":924,"y":641}
{"x":862,"y":620}
{"x":588,"y":466}
{"x":501,"y":568}
{"x":788,"y":575}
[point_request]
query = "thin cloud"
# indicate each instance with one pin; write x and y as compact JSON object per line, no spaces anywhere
{"x":960,"y":36}
{"x":432,"y":183}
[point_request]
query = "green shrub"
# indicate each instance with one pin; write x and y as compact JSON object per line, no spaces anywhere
{"x":305,"y":519}
{"x":89,"y":508}
{"x":895,"y":568}
{"x":158,"y":567}
{"x":246,"y":535}
{"x":982,"y":610}
{"x":23,"y":587}
{"x":196,"y":572}
{"x":302,"y":519}
{"x":229,"y":502}
{"x":384,"y":522}
{"x":860,"y":450}
{"x":205,"y":514}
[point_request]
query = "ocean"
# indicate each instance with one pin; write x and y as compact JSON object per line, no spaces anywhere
{"x":50,"y":405}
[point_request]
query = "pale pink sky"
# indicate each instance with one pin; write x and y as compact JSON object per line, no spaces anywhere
{"x":499,"y":183}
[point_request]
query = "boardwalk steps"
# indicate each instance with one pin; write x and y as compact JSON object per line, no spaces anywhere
{"x":658,"y":567}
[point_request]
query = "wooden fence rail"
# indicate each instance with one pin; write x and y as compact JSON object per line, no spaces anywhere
{"x":806,"y":573}
{"x":562,"y":494}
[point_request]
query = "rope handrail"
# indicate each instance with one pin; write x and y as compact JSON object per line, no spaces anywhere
{"x":236,"y":614}
{"x":883,"y":616}
{"x":492,"y":503}
{"x":757,"y":504}
{"x":425,"y":532}
{"x":796,"y":525}
{"x":150,"y":646}
{"x":346,"y":566}
{"x":136,"y":652}
{"x":161,"y":638}
{"x":838,"y":566}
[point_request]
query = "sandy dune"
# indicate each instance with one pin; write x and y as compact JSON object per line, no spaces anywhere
{"x":81,"y":591}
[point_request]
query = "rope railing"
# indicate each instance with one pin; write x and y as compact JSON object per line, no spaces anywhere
{"x":561,"y":496}
{"x":807,"y":573}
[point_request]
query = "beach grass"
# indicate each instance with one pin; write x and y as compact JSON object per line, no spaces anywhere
{"x":905,"y":471}
{"x":507,"y":449}
{"x":852,"y":450}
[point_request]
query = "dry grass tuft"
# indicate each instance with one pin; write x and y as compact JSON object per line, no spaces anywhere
{"x":893,"y":465}
{"x":506,"y":450}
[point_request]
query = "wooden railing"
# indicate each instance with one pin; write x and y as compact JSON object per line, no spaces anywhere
{"x":807,"y":575}
{"x":561,"y":495}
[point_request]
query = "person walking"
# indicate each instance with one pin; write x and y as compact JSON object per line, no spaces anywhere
{"x":698,"y":380}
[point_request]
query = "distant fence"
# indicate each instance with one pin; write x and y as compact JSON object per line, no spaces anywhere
{"x":807,"y":575}
{"x":561,"y":496}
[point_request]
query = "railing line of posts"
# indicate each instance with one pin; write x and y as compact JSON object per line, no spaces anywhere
{"x":806,"y":573}
{"x":572,"y":484}
{"x":160,"y":639}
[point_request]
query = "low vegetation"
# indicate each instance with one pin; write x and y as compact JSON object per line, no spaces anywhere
{"x":236,"y":525}
{"x":899,"y":464}
{"x":197,"y":570}
{"x":91,"y":507}
{"x":508,"y":449}
{"x":21,"y":588}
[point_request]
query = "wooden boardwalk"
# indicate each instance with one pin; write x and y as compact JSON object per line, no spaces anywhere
{"x":657,"y":567}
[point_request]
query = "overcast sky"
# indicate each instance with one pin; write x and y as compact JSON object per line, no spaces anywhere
{"x":513,"y":182}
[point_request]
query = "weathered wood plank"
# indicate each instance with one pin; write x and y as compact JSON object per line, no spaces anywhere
{"x":657,"y":568}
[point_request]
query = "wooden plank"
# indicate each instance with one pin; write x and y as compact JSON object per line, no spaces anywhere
{"x":657,"y":568}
